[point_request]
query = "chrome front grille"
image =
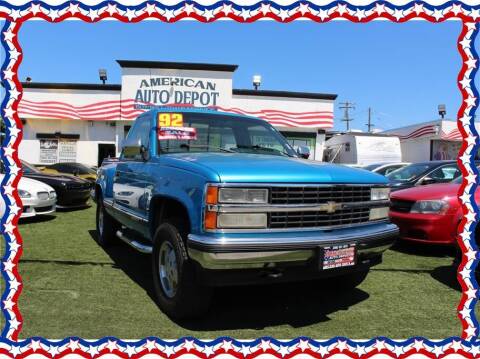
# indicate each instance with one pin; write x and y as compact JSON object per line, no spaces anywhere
{"x":307,"y":219}
{"x":319,"y":194}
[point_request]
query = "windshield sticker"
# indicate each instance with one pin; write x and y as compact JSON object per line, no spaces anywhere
{"x":170,"y":120}
{"x":177,"y":133}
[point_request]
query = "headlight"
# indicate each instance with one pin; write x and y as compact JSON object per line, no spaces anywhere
{"x":24,"y":194}
{"x":379,"y":194}
{"x":53,"y":194}
{"x":242,"y":195}
{"x":437,"y":207}
{"x":242,"y":220}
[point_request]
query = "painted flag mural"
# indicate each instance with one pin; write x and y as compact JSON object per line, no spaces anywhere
{"x":129,"y":109}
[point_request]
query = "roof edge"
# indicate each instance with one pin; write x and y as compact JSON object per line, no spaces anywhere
{"x":289,"y":94}
{"x":177,"y":65}
{"x":71,"y":86}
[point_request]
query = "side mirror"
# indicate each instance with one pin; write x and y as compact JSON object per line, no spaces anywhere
{"x":144,"y":153}
{"x":134,"y":149}
{"x":427,"y":180}
{"x":303,"y":151}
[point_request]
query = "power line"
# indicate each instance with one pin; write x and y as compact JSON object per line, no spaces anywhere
{"x":346,"y":106}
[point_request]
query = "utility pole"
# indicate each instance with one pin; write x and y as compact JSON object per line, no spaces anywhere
{"x":346,"y":106}
{"x":369,"y":124}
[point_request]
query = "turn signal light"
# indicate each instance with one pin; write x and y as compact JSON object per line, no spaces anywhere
{"x":210,"y":220}
{"x":212,"y":195}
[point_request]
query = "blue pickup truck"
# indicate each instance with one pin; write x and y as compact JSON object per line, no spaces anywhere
{"x":222,"y":199}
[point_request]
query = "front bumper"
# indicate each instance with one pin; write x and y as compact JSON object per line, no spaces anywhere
{"x":73,"y":198}
{"x":426,"y":228}
{"x":227,"y":251}
{"x":35,"y":206}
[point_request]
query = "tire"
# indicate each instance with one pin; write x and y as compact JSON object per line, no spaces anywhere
{"x":177,"y":292}
{"x":347,"y":281}
{"x":106,"y":226}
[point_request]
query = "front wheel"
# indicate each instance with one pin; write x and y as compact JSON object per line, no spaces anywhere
{"x":176,"y":289}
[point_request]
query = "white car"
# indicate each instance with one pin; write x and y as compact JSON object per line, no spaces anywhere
{"x":37,"y":198}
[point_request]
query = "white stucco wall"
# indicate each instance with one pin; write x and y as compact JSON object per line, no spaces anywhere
{"x":91,"y":134}
{"x":416,"y":150}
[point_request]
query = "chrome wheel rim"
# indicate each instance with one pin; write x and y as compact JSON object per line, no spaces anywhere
{"x":168,"y":269}
{"x":100,"y":221}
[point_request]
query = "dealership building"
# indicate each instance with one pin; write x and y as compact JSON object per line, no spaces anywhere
{"x":69,"y":122}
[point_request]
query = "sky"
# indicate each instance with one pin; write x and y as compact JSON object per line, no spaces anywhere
{"x":401,"y":71}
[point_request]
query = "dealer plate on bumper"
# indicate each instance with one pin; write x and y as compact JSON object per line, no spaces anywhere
{"x":338,"y":256}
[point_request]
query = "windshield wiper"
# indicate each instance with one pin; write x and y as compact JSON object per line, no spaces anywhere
{"x":266,"y":149}
{"x":187,"y":146}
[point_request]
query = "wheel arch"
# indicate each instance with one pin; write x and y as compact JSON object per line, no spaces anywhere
{"x":163,"y":207}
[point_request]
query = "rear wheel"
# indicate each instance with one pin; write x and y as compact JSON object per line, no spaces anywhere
{"x":176,"y":289}
{"x":107,"y":227}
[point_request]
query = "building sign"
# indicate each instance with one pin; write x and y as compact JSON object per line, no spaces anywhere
{"x":48,"y":151}
{"x":163,"y":90}
{"x":67,"y":151}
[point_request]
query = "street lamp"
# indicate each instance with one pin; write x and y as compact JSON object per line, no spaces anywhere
{"x":442,"y":110}
{"x":102,"y":73}
{"x":257,"y":80}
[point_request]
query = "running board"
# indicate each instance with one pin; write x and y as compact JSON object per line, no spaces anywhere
{"x":134,"y":244}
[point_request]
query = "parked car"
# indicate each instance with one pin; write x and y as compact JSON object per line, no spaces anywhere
{"x":227,"y":201}
{"x":384,"y":168}
{"x":71,"y":191}
{"x":428,"y":214}
{"x":71,"y":168}
{"x":418,"y":174}
{"x":37,"y":198}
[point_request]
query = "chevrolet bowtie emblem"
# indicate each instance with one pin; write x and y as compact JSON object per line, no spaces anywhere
{"x":331,"y":207}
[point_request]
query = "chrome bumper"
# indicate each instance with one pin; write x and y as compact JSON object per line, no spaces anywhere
{"x":230,"y":252}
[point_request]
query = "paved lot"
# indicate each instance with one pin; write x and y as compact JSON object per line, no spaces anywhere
{"x":73,"y":287}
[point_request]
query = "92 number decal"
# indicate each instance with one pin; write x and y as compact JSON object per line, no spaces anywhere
{"x":170,"y":120}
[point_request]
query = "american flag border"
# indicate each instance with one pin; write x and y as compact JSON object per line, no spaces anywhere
{"x":467,"y":346}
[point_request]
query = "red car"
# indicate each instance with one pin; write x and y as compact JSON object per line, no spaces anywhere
{"x":428,"y":214}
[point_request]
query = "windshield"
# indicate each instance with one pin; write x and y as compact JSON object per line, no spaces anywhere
{"x":219,"y":133}
{"x":408,"y":173}
{"x":28,"y":168}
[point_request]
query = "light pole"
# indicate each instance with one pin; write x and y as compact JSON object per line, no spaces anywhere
{"x":257,"y":80}
{"x":442,"y":110}
{"x":102,"y":73}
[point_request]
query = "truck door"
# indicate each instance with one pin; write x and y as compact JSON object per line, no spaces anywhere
{"x":129,"y":197}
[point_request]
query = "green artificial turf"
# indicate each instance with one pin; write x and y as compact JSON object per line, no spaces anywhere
{"x":72,"y":287}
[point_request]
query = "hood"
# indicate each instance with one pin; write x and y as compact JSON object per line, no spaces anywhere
{"x":400,"y":185}
{"x":31,"y":185}
{"x":254,"y":168}
{"x":54,"y":180}
{"x":57,"y":177}
{"x":432,"y":192}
